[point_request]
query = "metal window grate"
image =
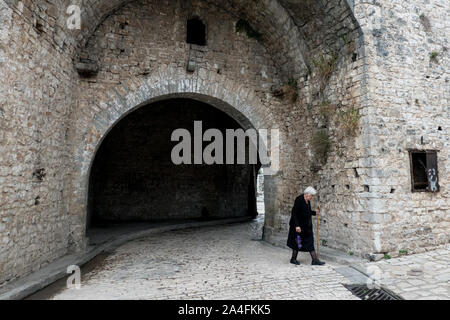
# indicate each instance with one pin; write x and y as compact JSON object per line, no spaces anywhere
{"x":365,"y":293}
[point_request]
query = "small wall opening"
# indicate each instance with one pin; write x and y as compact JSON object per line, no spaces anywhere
{"x":196,"y":32}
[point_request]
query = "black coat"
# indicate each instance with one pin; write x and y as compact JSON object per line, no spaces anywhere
{"x":301,"y":217}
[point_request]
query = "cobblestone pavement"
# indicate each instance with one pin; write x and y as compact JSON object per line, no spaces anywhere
{"x":424,"y":276}
{"x":220,"y":262}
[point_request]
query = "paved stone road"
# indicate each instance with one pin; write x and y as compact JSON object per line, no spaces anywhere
{"x":424,"y":276}
{"x":220,"y":262}
{"x":225,"y":262}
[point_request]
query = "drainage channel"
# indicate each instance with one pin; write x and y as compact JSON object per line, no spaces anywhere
{"x":358,"y":281}
{"x":363,"y":292}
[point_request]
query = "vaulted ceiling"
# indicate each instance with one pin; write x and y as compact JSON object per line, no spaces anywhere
{"x":293,"y":31}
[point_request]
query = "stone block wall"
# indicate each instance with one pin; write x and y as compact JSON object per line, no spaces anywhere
{"x":36,"y":96}
{"x":408,"y":103}
{"x":334,"y":84}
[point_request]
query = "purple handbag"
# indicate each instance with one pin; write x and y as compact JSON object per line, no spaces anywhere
{"x":299,"y":241}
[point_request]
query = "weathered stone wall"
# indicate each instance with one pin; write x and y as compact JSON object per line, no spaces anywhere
{"x":408,"y":99}
{"x":36,"y":95}
{"x":233,"y":69}
{"x":365,"y":187}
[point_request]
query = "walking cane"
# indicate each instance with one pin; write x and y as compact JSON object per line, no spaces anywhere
{"x":318,"y":212}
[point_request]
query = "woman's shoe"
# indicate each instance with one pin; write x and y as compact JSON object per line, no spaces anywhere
{"x":295,"y":262}
{"x":317,"y":263}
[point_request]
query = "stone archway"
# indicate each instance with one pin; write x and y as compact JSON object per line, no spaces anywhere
{"x":233,"y":99}
{"x":259,"y":83}
{"x":134,"y":179}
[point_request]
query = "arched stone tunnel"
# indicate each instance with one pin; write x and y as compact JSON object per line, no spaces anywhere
{"x":135,"y":179}
{"x":254,"y":82}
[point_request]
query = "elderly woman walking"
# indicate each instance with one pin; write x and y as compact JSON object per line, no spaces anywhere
{"x":301,"y":225}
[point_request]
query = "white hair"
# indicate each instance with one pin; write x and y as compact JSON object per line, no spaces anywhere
{"x":311,"y":191}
